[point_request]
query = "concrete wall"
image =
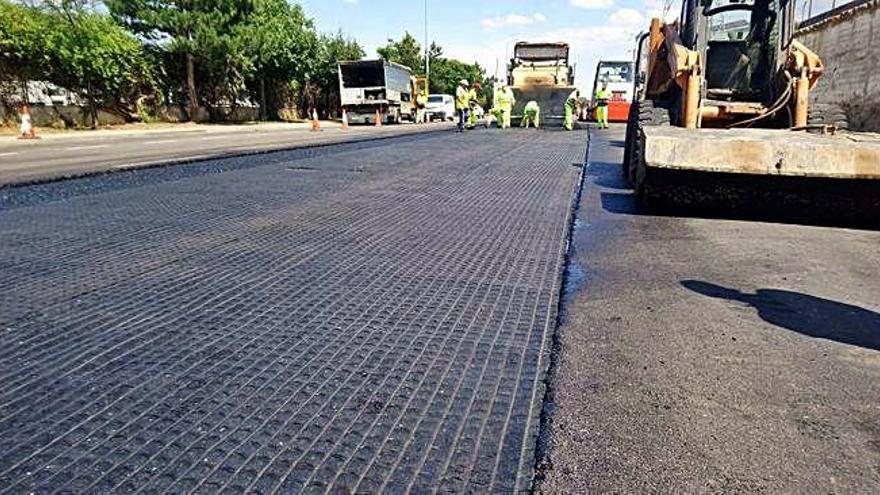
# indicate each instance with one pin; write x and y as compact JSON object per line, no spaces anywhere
{"x":75,"y":116}
{"x":847,"y":39}
{"x":59,"y":116}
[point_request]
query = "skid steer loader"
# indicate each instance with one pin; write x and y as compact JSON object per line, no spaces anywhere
{"x":722,"y":101}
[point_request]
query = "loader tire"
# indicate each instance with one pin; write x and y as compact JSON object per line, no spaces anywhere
{"x":632,"y":121}
{"x":649,"y":114}
{"x":828,"y":114}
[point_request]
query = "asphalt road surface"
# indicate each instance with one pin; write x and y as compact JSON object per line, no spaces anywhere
{"x":379,"y":316}
{"x":712,"y":355}
{"x":372,"y":317}
{"x":71,"y":154}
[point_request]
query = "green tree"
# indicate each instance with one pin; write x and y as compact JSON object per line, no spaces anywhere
{"x":24,"y":54}
{"x":407,"y":51}
{"x":282,"y":46}
{"x":94,"y":57}
{"x":334,"y":49}
{"x":199,"y":31}
{"x":73,"y":46}
{"x":445,"y":72}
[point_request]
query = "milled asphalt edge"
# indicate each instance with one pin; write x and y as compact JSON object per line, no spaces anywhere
{"x":115,"y":169}
{"x":542,"y":449}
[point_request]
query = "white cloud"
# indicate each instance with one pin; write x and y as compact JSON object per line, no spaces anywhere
{"x":512,"y":20}
{"x":592,"y":4}
{"x":667,"y":10}
{"x":628,"y":18}
{"x":353,"y":2}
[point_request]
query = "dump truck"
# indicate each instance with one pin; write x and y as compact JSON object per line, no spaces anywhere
{"x":371,"y":88}
{"x":541,"y":72}
{"x":618,"y":76}
{"x":723,"y":103}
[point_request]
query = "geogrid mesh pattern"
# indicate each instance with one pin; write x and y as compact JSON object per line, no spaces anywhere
{"x":370,"y":320}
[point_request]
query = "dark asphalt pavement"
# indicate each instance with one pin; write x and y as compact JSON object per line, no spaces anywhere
{"x":83,"y":152}
{"x":711,"y":355}
{"x":372,"y":318}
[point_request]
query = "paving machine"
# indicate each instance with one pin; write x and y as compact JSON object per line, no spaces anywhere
{"x":723,"y":98}
{"x":541,"y":72}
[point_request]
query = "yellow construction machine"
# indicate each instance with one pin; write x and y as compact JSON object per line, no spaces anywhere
{"x":541,"y":72}
{"x":722,"y":98}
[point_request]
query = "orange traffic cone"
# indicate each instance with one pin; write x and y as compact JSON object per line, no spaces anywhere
{"x":27,"y":126}
{"x":344,"y":119}
{"x":378,"y":118}
{"x":316,"y":125}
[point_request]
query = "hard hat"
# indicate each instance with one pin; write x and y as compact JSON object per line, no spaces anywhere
{"x":463,"y":81}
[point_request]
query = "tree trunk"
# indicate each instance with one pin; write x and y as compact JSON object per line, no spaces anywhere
{"x":93,"y":109}
{"x":263,"y":98}
{"x":191,"y":86}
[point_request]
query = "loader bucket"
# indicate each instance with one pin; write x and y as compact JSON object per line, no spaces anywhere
{"x":789,"y":173}
{"x":550,"y":99}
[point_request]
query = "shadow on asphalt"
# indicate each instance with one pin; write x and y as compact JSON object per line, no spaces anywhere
{"x":807,"y":315}
{"x":807,"y":207}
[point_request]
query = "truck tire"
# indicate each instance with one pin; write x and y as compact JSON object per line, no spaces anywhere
{"x":828,"y":114}
{"x":648,"y":114}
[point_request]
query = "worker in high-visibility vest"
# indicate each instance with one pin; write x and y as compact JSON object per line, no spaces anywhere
{"x":570,"y":108}
{"x":462,"y":103}
{"x":505,"y":103}
{"x":600,"y":100}
{"x":531,"y":115}
{"x":421,"y":107}
{"x":472,"y":105}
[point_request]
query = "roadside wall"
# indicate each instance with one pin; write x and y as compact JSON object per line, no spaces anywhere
{"x":847,"y":39}
{"x":76,"y":116}
{"x":59,"y":116}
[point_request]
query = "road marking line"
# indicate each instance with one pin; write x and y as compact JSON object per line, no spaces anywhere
{"x":214,"y":138}
{"x":9,"y":154}
{"x":170,"y":161}
{"x":162,"y":141}
{"x":90,"y":147}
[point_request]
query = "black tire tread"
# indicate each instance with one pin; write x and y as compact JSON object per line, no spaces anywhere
{"x":828,"y":114}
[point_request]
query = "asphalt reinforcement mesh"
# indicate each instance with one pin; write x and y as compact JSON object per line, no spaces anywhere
{"x":373,"y":319}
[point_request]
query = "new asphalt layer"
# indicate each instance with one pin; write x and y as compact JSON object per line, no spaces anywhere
{"x":704,"y":354}
{"x":373,"y":317}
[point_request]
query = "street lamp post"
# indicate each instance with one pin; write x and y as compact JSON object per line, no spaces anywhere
{"x":427,"y":50}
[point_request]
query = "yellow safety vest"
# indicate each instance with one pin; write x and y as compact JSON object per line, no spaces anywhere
{"x":462,"y":98}
{"x":602,"y":97}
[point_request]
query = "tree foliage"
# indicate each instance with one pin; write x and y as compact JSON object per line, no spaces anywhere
{"x":211,"y":54}
{"x":445,"y":72}
{"x":407,"y":51}
{"x":76,"y":48}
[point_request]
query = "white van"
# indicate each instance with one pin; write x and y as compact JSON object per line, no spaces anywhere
{"x":440,"y":107}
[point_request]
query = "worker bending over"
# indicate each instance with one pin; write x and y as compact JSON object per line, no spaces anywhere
{"x":472,"y":105}
{"x":601,"y":101}
{"x":462,"y":103}
{"x":531,"y":115}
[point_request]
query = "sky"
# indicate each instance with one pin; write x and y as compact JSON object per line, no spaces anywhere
{"x":485,"y":31}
